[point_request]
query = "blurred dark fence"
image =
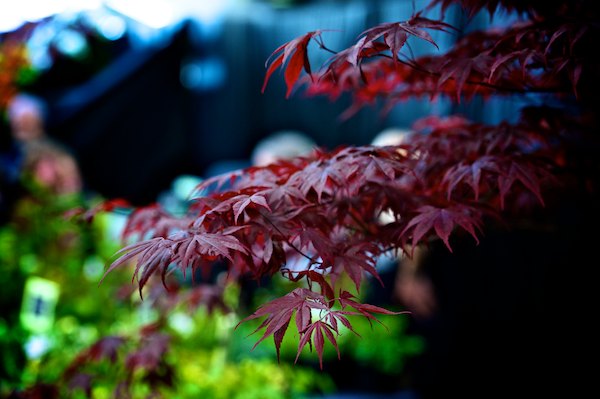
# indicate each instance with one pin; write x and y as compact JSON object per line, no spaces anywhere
{"x":178,"y":106}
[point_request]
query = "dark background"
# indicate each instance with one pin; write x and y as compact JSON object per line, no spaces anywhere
{"x":134,"y":126}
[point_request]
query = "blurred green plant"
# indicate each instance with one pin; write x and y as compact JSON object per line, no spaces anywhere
{"x":41,"y":242}
{"x":183,"y":353}
{"x":199,"y":357}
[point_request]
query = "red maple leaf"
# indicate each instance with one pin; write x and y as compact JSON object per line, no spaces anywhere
{"x":347,"y":299}
{"x":395,"y":34}
{"x":314,"y":334}
{"x":294,"y":53}
{"x":443,"y":221}
{"x":280,"y":311}
{"x":470,"y":173}
{"x":355,"y":261}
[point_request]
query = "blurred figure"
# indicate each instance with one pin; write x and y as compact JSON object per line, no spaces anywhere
{"x":38,"y":158}
{"x":26,"y":116}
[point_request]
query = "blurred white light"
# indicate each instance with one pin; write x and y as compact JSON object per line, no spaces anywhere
{"x":71,"y":42}
{"x":153,"y":13}
{"x":184,"y":186}
{"x":10,"y":20}
{"x":37,"y":46}
{"x":112,"y":27}
{"x":36,"y":346}
{"x":93,"y":267}
{"x":207,"y":11}
{"x":182,"y":323}
{"x":34,"y":10}
{"x":13,"y":16}
{"x":42,"y":36}
{"x":115,"y":224}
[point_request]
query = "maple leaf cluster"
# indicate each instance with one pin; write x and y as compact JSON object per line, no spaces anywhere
{"x":536,"y":55}
{"x":145,"y":356}
{"x":317,"y":219}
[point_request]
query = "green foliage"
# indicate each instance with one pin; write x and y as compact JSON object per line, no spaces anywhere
{"x":41,"y":241}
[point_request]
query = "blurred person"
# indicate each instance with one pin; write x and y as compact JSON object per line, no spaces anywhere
{"x":39,"y":158}
{"x":26,"y":115}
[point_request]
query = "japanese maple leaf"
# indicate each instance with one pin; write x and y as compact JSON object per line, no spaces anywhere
{"x":241,"y":202}
{"x":105,"y":348}
{"x":525,"y":172}
{"x":104,"y":206}
{"x":150,"y":355}
{"x":462,"y":69}
{"x":152,"y":255}
{"x":355,"y":261}
{"x":524,"y":56}
{"x":315,"y":238}
{"x":280,"y":311}
{"x":209,"y":244}
{"x":315,"y":334}
{"x":383,"y":165}
{"x":469,"y":173}
{"x":143,"y":220}
{"x":347,"y":299}
{"x":321,"y":176}
{"x":312,"y":276}
{"x":395,"y":34}
{"x":278,"y":194}
{"x":443,"y":221}
{"x":294,"y":53}
{"x":327,"y":326}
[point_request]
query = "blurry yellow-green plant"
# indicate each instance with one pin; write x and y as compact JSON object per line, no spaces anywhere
{"x":103,"y":341}
{"x":41,"y":243}
{"x":168,"y":349}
